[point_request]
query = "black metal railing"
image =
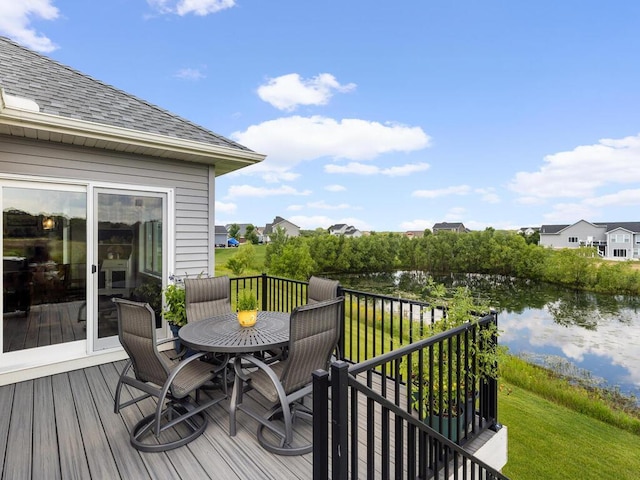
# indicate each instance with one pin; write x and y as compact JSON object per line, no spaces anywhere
{"x":395,"y":442}
{"x":429,"y":392}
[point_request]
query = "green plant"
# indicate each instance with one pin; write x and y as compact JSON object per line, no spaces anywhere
{"x":247,"y":300}
{"x":445,"y":377}
{"x":175,"y":311}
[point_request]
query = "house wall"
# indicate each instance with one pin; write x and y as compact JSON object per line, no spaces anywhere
{"x":193,"y":184}
{"x":290,"y":228}
{"x":580,"y":230}
{"x":628,"y":246}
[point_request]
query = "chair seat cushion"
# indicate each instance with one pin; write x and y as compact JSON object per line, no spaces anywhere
{"x":192,"y":376}
{"x":261,"y":383}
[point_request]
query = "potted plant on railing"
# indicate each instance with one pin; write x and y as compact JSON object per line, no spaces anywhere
{"x":247,"y":308}
{"x":444,"y":390}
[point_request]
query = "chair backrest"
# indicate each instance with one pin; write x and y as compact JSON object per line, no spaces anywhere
{"x":206,"y":297}
{"x":321,"y":289}
{"x":313,"y":335}
{"x":137,"y":334}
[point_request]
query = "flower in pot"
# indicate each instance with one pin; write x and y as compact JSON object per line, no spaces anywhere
{"x":444,"y":378}
{"x":247,"y":308}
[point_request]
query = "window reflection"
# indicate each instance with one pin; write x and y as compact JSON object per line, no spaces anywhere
{"x":44,"y":267}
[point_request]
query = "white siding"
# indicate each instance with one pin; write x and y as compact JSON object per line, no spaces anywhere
{"x":193,"y":246}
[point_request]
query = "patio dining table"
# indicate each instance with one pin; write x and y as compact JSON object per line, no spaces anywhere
{"x":223,"y":333}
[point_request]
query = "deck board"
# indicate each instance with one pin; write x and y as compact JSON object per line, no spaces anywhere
{"x":19,"y":437}
{"x":64,"y":426}
{"x":46,"y":463}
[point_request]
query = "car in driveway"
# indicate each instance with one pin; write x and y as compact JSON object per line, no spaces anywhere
{"x":232,"y":242}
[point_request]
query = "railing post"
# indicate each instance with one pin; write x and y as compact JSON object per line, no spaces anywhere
{"x":341,"y":340}
{"x":265,"y":292}
{"x":340,"y":420}
{"x":320,"y":424}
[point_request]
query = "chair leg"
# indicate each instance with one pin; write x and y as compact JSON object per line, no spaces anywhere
{"x":195,"y":425}
{"x":285,"y":445}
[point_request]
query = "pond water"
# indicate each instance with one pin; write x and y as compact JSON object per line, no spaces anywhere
{"x":582,"y":334}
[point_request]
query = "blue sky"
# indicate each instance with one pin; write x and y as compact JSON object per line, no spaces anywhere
{"x":389,"y":116}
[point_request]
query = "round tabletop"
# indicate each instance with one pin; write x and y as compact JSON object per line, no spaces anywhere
{"x":223,"y":333}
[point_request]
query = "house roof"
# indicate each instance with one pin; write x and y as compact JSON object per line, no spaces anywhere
{"x":338,"y":226}
{"x":47,"y":100}
{"x":609,"y":226}
{"x":221,"y":230}
{"x":270,"y":227}
{"x":448,"y":226}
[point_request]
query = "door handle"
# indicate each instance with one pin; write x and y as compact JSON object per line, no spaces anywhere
{"x":94,"y":268}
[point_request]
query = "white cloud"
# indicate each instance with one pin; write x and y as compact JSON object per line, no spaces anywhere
{"x":363,"y":169}
{"x":251,"y":191}
{"x":580,"y":172}
{"x":335,"y":188}
{"x":417,"y":224}
{"x":322,"y":205}
{"x":570,"y":213}
{"x":442,"y":192}
{"x":15,"y":19}
{"x":488,"y":195}
{"x":621,"y":198}
{"x":189,"y":74}
{"x":455,"y":214}
{"x":288,"y":91}
{"x":197,"y":7}
{"x":290,"y":140}
{"x":223,"y":207}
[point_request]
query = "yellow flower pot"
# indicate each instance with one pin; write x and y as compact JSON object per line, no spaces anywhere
{"x":247,"y":318}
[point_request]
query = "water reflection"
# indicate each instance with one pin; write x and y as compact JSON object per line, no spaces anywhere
{"x":592,"y":333}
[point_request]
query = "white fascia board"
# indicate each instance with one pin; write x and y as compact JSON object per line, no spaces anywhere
{"x":17,"y":112}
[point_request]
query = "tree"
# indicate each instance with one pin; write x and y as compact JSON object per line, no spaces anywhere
{"x":250,"y":234}
{"x":234,"y":230}
{"x":293,"y":261}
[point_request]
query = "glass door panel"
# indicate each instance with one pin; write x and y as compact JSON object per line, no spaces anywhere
{"x":44,"y":247}
{"x":128,"y":255}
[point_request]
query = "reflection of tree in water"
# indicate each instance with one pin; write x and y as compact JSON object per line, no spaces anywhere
{"x":512,"y":295}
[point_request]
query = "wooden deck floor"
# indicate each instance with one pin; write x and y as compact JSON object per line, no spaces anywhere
{"x":63,"y":426}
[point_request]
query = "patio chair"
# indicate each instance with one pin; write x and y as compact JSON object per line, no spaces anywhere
{"x":321,"y":289}
{"x":171,"y":382}
{"x":314,"y":331}
{"x":206,"y":297}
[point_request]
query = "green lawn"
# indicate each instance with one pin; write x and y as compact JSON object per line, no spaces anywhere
{"x":224,"y":254}
{"x":549,"y":441}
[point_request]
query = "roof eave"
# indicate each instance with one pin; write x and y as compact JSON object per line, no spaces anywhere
{"x":28,"y":123}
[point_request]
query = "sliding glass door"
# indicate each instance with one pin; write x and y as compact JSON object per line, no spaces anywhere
{"x":44,"y":248}
{"x":129,"y":255}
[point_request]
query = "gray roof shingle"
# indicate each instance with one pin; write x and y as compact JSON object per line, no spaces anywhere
{"x":65,"y":92}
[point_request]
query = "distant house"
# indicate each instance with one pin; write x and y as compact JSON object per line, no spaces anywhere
{"x":613,"y":240}
{"x":290,"y":229}
{"x":222,"y":235}
{"x":414,"y":234}
{"x":104,"y":195}
{"x":526,"y":231}
{"x":449,"y":227}
{"x":242,"y":229}
{"x":345,"y":230}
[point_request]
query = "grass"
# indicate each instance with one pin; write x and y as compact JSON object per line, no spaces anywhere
{"x":549,"y":441}
{"x":222,"y":255}
{"x":602,"y":405}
